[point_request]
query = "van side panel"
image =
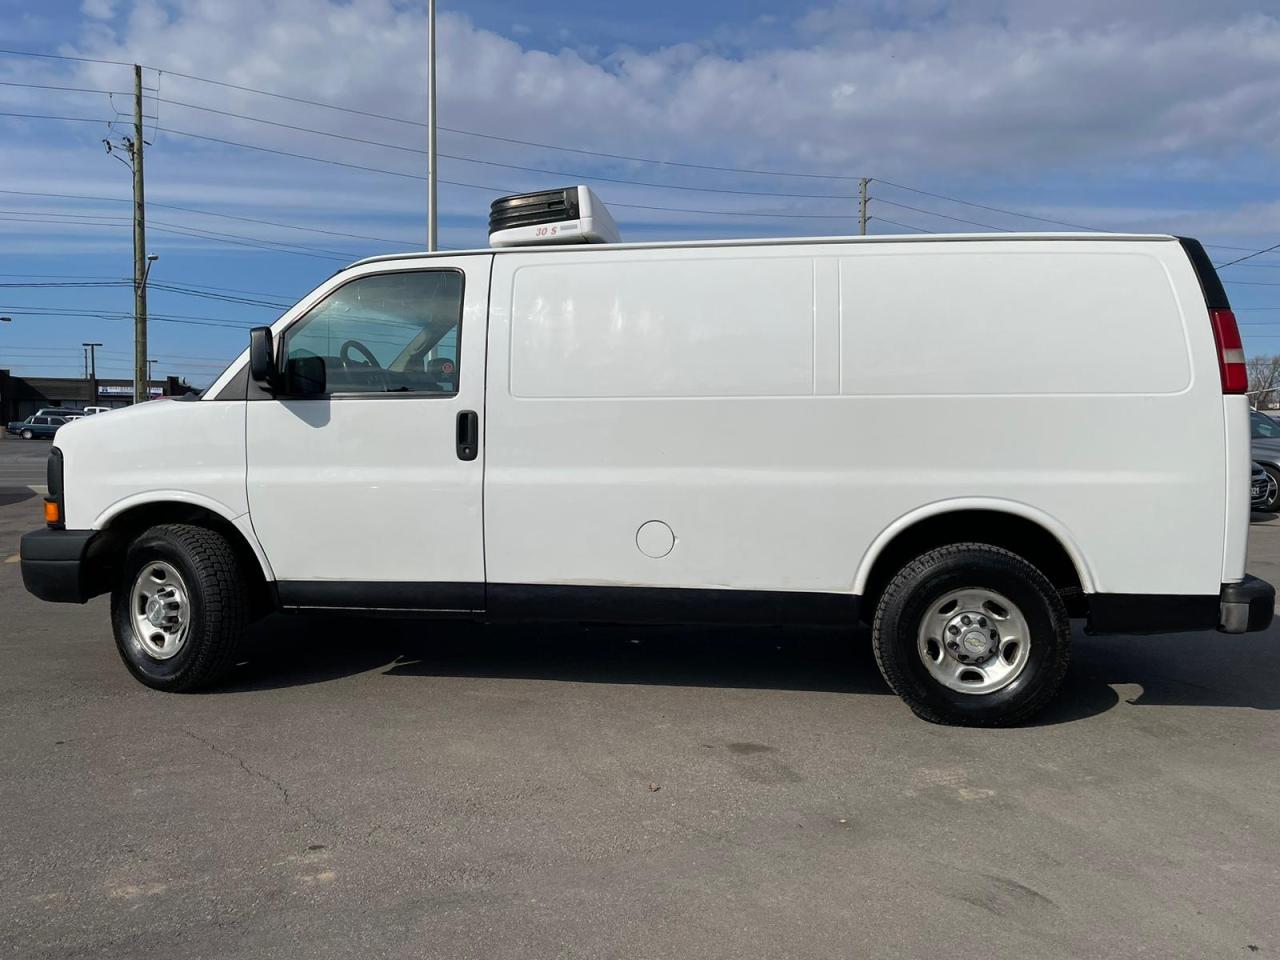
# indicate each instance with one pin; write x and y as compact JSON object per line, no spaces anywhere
{"x":627,"y":387}
{"x":1028,"y":322}
{"x":694,"y":326}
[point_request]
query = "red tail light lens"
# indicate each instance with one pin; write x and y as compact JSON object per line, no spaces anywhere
{"x":1235,"y":378}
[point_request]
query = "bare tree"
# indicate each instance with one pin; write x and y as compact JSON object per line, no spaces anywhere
{"x":1264,"y":380}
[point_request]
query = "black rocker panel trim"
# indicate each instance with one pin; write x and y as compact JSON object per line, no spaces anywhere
{"x":433,"y":597}
{"x":519,"y":601}
{"x":1141,"y":613}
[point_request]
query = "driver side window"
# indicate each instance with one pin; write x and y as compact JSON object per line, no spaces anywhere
{"x":381,"y":333}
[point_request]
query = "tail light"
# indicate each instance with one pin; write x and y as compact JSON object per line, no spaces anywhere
{"x":1235,"y":378}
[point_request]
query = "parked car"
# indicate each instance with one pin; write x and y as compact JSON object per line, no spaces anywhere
{"x":1262,"y":488}
{"x":1265,"y":449}
{"x":65,"y":412}
{"x":36,"y":426}
{"x":90,"y":411}
{"x":778,"y":431}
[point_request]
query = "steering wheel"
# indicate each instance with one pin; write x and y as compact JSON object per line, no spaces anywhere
{"x":344,"y":355}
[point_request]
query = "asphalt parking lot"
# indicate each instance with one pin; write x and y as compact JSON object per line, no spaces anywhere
{"x":383,"y":789}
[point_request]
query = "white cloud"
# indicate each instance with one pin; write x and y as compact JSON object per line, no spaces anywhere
{"x":99,"y":9}
{"x":988,"y":93}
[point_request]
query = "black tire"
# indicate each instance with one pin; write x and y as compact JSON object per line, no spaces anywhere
{"x":926,"y":579}
{"x":218,"y":598}
{"x":1273,"y":502}
{"x":28,"y":435}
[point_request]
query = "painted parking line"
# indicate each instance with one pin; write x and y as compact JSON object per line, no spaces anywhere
{"x":13,"y":559}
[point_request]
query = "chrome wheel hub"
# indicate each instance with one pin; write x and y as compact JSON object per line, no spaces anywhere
{"x":974,"y":640}
{"x":161,"y":611}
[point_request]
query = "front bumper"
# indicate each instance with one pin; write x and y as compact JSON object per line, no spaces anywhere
{"x":1244,"y":607}
{"x":57,"y":565}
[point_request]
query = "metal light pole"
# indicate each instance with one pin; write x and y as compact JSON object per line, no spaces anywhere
{"x":431,"y":126}
{"x":150,"y":375}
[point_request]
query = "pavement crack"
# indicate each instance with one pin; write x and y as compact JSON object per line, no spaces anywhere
{"x":254,"y":772}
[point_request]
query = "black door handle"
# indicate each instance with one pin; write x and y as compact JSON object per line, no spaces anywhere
{"x":468,"y":435}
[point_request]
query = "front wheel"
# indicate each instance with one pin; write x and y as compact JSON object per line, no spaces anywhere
{"x":180,"y":607}
{"x":973,"y":635}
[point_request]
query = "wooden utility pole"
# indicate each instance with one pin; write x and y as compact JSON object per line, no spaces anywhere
{"x":862,"y":205}
{"x":140,"y":391}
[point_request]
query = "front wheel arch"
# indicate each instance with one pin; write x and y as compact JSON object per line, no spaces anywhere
{"x":124,"y":527}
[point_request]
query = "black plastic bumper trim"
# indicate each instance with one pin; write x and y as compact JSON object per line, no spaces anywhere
{"x":1247,"y":606}
{"x":54,"y":566}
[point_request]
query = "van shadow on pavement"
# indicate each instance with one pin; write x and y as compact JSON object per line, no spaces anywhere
{"x":12,"y":495}
{"x":1203,"y":669}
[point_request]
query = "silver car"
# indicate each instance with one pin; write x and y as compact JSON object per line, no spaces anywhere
{"x":1265,"y":448}
{"x":1263,"y":488}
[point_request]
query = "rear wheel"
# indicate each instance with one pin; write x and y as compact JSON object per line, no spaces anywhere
{"x":28,"y":435}
{"x":973,"y":635}
{"x":180,"y":607}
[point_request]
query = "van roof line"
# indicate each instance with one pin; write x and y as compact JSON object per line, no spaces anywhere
{"x":762,"y":242}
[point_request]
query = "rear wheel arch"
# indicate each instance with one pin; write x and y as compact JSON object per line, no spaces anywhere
{"x":1032,"y":535}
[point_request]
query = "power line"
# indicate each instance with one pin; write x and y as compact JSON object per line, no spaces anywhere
{"x":56,"y":56}
{"x":185,"y":283}
{"x":980,"y":206}
{"x":486,"y":136}
{"x":934,"y":213}
{"x":339,"y":254}
{"x":195,"y":233}
{"x":49,"y":86}
{"x":45,"y":116}
{"x":895,"y":223}
{"x":1229,"y":263}
{"x":502,"y":190}
{"x":509,"y":166}
{"x":205,"y":213}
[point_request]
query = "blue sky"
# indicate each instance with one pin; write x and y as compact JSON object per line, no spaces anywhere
{"x":1145,"y":116}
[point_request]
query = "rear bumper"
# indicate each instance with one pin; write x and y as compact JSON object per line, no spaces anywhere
{"x":1244,"y":607}
{"x":1247,"y":606}
{"x":56,"y":565}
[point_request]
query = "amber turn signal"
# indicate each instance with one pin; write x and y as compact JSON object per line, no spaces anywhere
{"x":52,"y":512}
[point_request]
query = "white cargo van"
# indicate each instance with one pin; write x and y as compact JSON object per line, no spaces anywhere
{"x":963,"y":441}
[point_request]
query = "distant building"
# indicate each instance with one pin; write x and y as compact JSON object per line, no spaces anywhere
{"x":22,"y":396}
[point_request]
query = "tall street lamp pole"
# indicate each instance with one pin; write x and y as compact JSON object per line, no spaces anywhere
{"x":432,"y":213}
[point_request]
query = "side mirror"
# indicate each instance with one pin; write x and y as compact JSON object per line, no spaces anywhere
{"x":262,"y":364}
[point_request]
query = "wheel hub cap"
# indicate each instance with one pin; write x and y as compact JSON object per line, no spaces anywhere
{"x":974,"y":641}
{"x":160,"y":611}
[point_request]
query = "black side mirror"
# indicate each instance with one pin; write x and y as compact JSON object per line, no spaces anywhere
{"x":262,"y":364}
{"x":305,"y":376}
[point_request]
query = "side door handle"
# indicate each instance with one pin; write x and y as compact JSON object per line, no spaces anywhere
{"x":468,"y":434}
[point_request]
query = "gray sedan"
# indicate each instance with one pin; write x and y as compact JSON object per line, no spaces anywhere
{"x":1265,"y":449}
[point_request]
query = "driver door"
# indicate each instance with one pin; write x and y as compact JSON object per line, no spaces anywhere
{"x":368,"y":495}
